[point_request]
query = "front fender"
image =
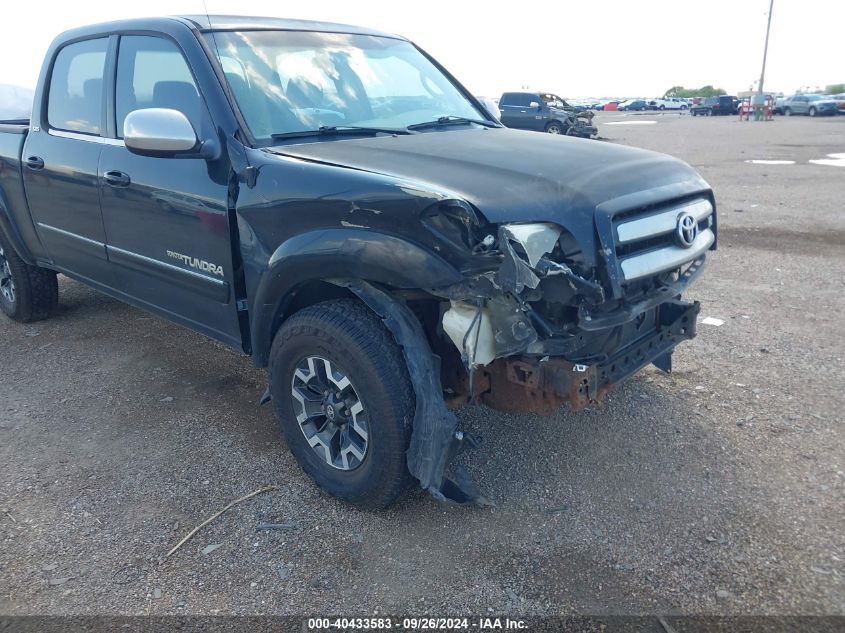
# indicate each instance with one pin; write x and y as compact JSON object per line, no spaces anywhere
{"x":349,"y":253}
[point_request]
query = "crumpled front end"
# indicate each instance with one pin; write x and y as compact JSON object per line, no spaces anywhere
{"x":545,"y":327}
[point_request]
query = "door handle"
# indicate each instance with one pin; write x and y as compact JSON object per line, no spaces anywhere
{"x":116,"y":179}
{"x":34,"y":162}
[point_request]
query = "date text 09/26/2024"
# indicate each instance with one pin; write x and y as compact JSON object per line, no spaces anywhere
{"x":416,"y":624}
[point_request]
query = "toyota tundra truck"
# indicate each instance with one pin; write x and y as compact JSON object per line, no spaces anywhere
{"x":330,"y":201}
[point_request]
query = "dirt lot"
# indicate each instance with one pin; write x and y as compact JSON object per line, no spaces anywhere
{"x":718,"y":489}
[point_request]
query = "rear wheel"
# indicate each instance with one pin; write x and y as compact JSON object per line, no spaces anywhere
{"x":344,"y":401}
{"x":27,"y":293}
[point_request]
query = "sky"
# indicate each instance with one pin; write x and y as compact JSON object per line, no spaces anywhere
{"x":606,"y":48}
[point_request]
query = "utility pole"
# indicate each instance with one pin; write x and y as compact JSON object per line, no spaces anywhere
{"x":765,"y":51}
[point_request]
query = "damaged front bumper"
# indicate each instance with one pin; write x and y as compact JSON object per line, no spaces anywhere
{"x":583,"y":130}
{"x":543,"y":385}
{"x":536,"y":326}
{"x":537,"y":332}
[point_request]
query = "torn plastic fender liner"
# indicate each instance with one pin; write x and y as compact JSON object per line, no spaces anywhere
{"x":435,"y":439}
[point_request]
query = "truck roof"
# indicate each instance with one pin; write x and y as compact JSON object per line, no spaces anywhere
{"x":223,"y":23}
{"x":237,"y":22}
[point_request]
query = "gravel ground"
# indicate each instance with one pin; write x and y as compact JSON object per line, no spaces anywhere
{"x":715,"y":490}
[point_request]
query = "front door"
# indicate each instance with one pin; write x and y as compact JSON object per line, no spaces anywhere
{"x":517,"y":113}
{"x":166,"y":219}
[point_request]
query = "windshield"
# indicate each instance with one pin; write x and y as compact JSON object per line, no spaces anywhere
{"x":553,"y":100}
{"x":297,"y":81}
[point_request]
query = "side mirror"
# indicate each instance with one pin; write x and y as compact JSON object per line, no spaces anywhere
{"x":164,"y":133}
{"x":534,"y":104}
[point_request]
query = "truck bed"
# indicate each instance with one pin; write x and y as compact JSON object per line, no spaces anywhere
{"x":14,"y":126}
{"x":14,"y":214}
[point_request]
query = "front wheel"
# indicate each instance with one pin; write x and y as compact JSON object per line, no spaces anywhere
{"x":27,"y":293}
{"x":344,"y":401}
{"x":812,"y":112}
{"x":787,"y":112}
{"x":554,"y":128}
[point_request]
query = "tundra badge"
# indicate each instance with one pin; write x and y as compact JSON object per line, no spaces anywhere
{"x":199,"y":264}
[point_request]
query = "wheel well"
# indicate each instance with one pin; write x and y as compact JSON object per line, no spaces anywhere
{"x":308,"y":294}
{"x":427,"y":308}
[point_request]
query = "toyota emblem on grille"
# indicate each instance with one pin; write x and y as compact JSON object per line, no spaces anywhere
{"x":687,"y":230}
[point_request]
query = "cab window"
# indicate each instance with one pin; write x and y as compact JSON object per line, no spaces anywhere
{"x":153,"y":73}
{"x":517,"y":99}
{"x":75,"y":98}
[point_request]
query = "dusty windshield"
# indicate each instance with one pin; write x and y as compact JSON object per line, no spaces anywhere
{"x":296,"y":81}
{"x":553,"y":101}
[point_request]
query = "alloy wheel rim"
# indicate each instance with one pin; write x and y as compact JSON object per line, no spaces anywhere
{"x":7,"y":283}
{"x":330,"y":413}
{"x":553,"y":129}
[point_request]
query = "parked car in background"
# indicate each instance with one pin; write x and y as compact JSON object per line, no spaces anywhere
{"x":778,"y":107}
{"x":713,"y":106}
{"x":671,"y":103}
{"x":637,"y":105}
{"x":840,"y":102}
{"x":704,"y":107}
{"x":542,"y":112}
{"x":811,"y":105}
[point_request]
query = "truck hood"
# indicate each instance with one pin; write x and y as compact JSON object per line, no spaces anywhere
{"x":513,"y":175}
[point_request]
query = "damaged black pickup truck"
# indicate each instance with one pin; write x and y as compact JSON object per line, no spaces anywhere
{"x":331,"y":202}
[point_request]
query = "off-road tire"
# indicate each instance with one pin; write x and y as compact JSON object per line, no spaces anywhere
{"x":351,"y":337}
{"x":36,"y":290}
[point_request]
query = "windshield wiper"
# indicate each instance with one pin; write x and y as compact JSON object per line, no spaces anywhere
{"x":451,"y":120}
{"x":336,"y":130}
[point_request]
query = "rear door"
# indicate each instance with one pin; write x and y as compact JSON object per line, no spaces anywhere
{"x":61,"y":156}
{"x":167,"y":219}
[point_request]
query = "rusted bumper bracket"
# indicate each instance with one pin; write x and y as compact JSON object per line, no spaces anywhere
{"x":542,"y":385}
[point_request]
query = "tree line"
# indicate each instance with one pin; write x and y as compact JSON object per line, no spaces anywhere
{"x":704,"y":91}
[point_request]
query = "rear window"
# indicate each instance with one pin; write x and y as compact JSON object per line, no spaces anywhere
{"x":75,"y":99}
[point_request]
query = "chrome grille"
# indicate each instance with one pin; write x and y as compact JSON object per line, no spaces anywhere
{"x":646,"y":243}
